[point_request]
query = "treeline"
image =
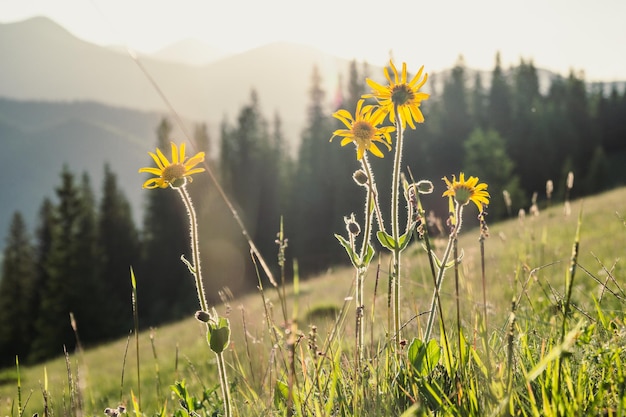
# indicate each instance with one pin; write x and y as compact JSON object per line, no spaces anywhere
{"x":504,"y":130}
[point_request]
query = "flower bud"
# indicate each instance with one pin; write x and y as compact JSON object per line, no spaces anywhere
{"x":425,"y":187}
{"x":360,"y":177}
{"x":352,"y":226}
{"x":203,"y":316}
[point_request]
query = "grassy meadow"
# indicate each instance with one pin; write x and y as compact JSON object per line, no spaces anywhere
{"x":292,"y":348}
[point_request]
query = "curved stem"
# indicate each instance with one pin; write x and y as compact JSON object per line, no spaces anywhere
{"x":195,"y":250}
{"x":433,"y":303}
{"x":194,"y":267}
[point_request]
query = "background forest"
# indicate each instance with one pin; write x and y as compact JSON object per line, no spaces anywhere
{"x":504,"y":129}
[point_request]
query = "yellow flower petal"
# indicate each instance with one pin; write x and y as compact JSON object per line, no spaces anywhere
{"x":164,"y":161}
{"x":174,"y":153}
{"x":169,"y":173}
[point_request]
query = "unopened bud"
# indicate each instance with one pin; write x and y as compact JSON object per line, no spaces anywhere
{"x":352,"y":226}
{"x":203,"y":316}
{"x":360,"y":177}
{"x":425,"y":187}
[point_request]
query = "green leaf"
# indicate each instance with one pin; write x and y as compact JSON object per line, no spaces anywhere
{"x":353,"y":256}
{"x":218,"y":334}
{"x":369,"y":255}
{"x":424,"y":356}
{"x":386,"y":240}
{"x":281,"y":393}
{"x":405,"y":239}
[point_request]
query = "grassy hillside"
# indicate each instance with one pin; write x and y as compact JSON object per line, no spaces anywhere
{"x":526,"y":259}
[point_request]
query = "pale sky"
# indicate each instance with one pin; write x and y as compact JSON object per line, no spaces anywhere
{"x":557,"y":34}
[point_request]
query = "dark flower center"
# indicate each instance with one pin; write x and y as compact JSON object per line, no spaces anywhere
{"x":401,"y":95}
{"x":363,"y":131}
{"x":173,"y":172}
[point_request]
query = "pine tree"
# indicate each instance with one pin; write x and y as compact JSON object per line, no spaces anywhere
{"x":251,"y":171}
{"x":478,"y":103}
{"x":486,"y":158}
{"x":119,"y":251}
{"x":316,"y":218}
{"x":455,"y":121}
{"x":46,"y":233}
{"x":527,"y":133}
{"x":88,"y":306}
{"x":499,"y":101}
{"x":61,"y":293}
{"x":165,"y":287}
{"x":16,"y":293}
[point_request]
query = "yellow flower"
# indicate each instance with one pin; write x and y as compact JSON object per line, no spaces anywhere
{"x":172,"y":173}
{"x":463,"y":191}
{"x":400,"y":95}
{"x":362,"y":130}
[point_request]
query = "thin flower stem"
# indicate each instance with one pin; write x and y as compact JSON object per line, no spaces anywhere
{"x":195,"y":270}
{"x":221,"y":369}
{"x":456,"y":290}
{"x":195,"y":251}
{"x":395,"y":227}
{"x":372,"y":188}
{"x":367,"y":235}
{"x":433,"y":303}
{"x":484,"y":281}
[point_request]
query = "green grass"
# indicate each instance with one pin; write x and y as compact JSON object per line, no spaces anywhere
{"x":525,"y":366}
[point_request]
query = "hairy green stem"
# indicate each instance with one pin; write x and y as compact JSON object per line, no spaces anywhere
{"x":441,"y":272}
{"x":195,"y":270}
{"x":395,"y":227}
{"x":221,"y":369}
{"x":195,"y":250}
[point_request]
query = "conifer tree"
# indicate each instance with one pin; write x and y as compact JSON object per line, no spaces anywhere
{"x":61,"y":292}
{"x":499,"y":101}
{"x":455,"y":121}
{"x":46,"y":233}
{"x":478,"y":103}
{"x":119,"y":251}
{"x":314,"y":243}
{"x":486,"y":157}
{"x":250,"y":168}
{"x":16,"y":293}
{"x":88,"y":306}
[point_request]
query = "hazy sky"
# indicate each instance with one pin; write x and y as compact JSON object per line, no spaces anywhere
{"x":557,"y":34}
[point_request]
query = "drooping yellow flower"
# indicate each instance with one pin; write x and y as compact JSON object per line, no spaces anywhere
{"x":172,"y":173}
{"x":363,"y":130}
{"x":400,"y":95}
{"x":463,"y":191}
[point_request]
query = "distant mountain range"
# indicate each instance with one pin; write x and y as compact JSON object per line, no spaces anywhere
{"x":190,"y":52}
{"x":67,"y":101}
{"x":42,"y":61}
